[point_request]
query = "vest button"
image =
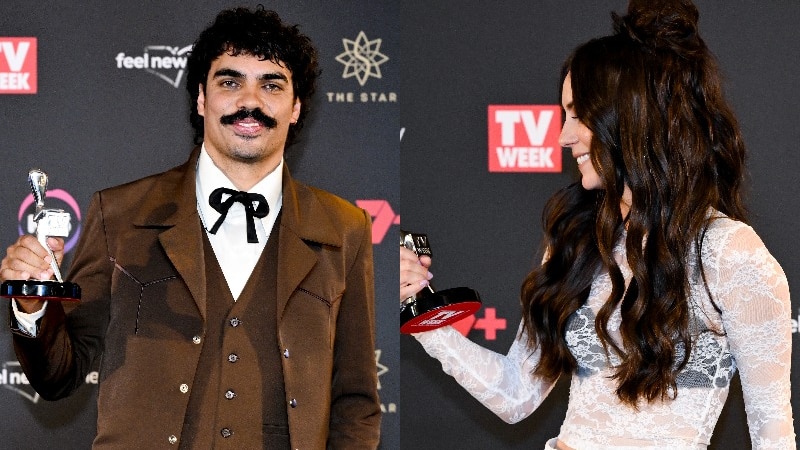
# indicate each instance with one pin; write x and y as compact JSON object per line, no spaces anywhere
{"x":230,"y":394}
{"x":286,"y":353}
{"x":226,"y":432}
{"x":293,"y":403}
{"x":196,"y":339}
{"x":184,"y":388}
{"x":172,"y":439}
{"x":233,"y":357}
{"x":235,"y":322}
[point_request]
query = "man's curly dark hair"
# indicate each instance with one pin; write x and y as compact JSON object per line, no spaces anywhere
{"x":260,"y":33}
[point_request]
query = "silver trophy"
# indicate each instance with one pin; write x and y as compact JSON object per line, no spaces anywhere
{"x":429,"y":309}
{"x":49,"y":223}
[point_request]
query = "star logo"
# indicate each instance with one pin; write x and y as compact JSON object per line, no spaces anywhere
{"x":381,"y":368}
{"x":362,"y":58}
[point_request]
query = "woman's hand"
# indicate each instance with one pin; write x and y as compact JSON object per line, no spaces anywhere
{"x":414,"y":274}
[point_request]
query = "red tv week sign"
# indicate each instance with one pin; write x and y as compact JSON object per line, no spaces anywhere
{"x":17,"y":65}
{"x":524,"y":138}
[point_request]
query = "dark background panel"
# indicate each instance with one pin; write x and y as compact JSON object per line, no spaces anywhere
{"x":93,"y":125}
{"x":484,"y":228}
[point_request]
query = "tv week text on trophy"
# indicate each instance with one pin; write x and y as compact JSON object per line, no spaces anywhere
{"x":430,"y":309}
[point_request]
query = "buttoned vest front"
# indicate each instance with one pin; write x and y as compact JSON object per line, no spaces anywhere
{"x":238,"y":399}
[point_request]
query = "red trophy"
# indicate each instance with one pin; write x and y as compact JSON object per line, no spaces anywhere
{"x":430,"y":309}
{"x":49,"y":222}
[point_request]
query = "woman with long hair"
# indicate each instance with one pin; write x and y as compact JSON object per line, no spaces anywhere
{"x":654,"y":291}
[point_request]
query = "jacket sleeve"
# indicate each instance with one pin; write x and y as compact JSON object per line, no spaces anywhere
{"x":69,"y":338}
{"x":355,"y":407}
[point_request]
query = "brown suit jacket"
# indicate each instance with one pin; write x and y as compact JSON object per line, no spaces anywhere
{"x":140,"y":266}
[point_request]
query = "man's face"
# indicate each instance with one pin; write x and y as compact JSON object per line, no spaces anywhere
{"x":247,"y":106}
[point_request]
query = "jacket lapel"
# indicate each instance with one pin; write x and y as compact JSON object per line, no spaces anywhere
{"x":304,"y":222}
{"x":182,"y":238}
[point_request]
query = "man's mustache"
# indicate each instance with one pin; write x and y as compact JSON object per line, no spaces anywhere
{"x":256,"y":114}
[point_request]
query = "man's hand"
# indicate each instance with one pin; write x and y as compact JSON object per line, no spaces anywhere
{"x":26,"y":259}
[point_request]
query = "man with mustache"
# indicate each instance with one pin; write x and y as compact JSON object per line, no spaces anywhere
{"x":228,"y":305}
{"x":255,"y":114}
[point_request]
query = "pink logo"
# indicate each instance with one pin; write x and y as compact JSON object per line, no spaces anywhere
{"x":383,"y":217}
{"x":524,"y":138}
{"x":18,"y":65}
{"x":490,"y":323}
{"x":28,"y":226}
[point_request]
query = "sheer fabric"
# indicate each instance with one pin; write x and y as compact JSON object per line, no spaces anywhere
{"x":751,"y":335}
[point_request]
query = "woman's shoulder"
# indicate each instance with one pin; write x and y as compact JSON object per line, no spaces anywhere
{"x":732,"y":240}
{"x":738,"y":265}
{"x":723,"y":230}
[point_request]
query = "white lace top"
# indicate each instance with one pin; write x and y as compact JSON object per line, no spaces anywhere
{"x":749,"y":287}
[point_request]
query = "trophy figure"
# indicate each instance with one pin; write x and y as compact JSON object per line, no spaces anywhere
{"x":430,"y":309}
{"x":49,"y":223}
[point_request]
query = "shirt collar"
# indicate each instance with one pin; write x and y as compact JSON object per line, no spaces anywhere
{"x":210,"y":177}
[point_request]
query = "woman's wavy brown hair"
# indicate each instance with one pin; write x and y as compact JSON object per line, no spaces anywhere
{"x":651,"y":95}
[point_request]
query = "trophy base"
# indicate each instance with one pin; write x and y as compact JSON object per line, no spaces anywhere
{"x":41,"y":290}
{"x":437,"y":309}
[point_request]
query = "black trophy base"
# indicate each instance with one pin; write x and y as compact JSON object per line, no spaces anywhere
{"x":437,"y":309}
{"x":41,"y":290}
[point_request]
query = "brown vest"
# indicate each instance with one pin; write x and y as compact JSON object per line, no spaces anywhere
{"x":238,"y":398}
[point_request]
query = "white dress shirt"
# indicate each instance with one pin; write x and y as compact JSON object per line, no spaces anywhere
{"x":235,"y":255}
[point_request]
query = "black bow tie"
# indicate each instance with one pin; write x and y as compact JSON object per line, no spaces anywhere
{"x":261,"y":209}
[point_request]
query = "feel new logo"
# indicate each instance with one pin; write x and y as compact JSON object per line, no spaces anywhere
{"x":796,"y":322}
{"x":13,"y":379}
{"x":164,"y":61}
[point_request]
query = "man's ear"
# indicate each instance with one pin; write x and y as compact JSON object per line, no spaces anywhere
{"x":296,"y":110}
{"x":201,"y":100}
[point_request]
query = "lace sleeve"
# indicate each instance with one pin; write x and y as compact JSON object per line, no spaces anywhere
{"x":503,"y":383}
{"x":753,"y":293}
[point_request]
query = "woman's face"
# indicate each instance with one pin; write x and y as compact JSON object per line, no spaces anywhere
{"x":577,"y":137}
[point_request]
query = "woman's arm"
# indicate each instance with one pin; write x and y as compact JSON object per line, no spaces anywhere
{"x":756,"y":311}
{"x":503,"y":383}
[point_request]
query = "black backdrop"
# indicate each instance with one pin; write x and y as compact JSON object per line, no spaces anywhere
{"x":94,"y":123}
{"x":484,"y":228}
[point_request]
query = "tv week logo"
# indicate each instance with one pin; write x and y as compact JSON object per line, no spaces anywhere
{"x":524,"y":138}
{"x":18,"y":65}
